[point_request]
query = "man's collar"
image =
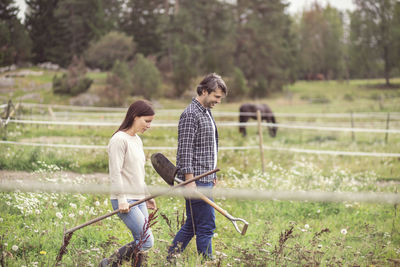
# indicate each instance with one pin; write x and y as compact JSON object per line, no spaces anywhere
{"x":199,"y":105}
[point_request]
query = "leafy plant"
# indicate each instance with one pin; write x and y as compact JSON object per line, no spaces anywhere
{"x":74,"y":81}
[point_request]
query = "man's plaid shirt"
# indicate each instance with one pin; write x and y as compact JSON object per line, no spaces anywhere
{"x":195,"y":142}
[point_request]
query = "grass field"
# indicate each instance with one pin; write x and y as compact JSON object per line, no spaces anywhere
{"x":281,"y":233}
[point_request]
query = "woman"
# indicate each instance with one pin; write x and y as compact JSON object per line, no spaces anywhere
{"x":126,"y":167}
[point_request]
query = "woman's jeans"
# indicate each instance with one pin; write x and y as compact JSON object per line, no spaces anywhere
{"x":135,"y":219}
{"x":203,"y":223}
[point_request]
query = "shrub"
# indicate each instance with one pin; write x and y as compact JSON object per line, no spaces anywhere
{"x":348,"y":97}
{"x":237,"y":85}
{"x":74,"y":81}
{"x":111,"y":47}
{"x":118,"y":84}
{"x":184,"y":71}
{"x":146,"y":78}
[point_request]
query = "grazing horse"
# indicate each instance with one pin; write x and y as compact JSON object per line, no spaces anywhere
{"x":249,"y":111}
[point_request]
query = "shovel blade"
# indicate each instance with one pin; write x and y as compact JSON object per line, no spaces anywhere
{"x":164,"y":167}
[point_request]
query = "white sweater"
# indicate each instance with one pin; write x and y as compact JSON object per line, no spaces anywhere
{"x":126,"y":166}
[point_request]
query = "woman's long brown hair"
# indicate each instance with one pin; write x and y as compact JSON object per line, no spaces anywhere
{"x":137,"y":109}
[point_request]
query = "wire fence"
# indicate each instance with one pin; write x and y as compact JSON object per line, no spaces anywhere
{"x":164,"y":148}
{"x":219,"y":124}
{"x":27,"y":185}
{"x":382,"y":115}
{"x":33,"y":186}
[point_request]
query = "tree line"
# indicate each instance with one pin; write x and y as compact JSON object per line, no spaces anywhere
{"x":256,"y":44}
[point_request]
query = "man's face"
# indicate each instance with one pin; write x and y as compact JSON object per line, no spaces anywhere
{"x":213,"y":98}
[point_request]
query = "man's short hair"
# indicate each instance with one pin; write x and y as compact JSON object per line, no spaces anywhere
{"x":210,"y":83}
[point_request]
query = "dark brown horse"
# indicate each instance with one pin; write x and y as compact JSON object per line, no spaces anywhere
{"x":249,"y":111}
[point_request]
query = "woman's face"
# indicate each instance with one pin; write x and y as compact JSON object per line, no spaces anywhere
{"x":142,"y":123}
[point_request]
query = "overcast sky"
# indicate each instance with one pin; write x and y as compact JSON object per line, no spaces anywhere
{"x":294,"y":7}
{"x":298,"y":5}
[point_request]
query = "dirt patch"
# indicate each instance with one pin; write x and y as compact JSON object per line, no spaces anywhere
{"x":386,"y":183}
{"x":75,"y":140}
{"x":97,"y":178}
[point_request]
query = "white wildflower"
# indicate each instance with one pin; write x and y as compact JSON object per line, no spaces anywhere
{"x":218,"y":253}
{"x":14,"y":247}
{"x":71,"y":215}
{"x":73,"y":205}
{"x":55,"y":204}
{"x":59,"y":215}
{"x":343,"y":231}
{"x":306,"y":226}
{"x":80,"y":212}
{"x":97,"y":203}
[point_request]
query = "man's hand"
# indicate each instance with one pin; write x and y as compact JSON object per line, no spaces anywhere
{"x":123,"y":207}
{"x":191,"y":185}
{"x":151,"y":204}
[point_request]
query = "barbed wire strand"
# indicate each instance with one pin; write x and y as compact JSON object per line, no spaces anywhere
{"x":382,"y":115}
{"x":224,"y":193}
{"x":163,"y":148}
{"x":223,"y":124}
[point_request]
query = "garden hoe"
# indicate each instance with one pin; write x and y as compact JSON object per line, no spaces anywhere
{"x":168,"y":171}
{"x":68,"y":233}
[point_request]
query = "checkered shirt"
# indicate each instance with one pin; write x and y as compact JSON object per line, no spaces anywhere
{"x":195,"y":142}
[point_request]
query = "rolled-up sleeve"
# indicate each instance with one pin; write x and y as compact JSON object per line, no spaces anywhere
{"x":187,"y":129}
{"x":116,"y":155}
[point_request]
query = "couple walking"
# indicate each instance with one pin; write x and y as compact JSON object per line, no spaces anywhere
{"x":196,"y":154}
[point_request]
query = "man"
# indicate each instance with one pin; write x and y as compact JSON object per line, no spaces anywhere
{"x":197,"y":153}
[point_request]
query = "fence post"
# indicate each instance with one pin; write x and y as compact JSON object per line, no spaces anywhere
{"x":261,"y":140}
{"x":352,"y":126}
{"x":387,"y":128}
{"x":8,"y":114}
{"x":53,"y":117}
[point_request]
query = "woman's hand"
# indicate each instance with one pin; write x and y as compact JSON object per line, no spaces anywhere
{"x":123,"y":207}
{"x":151,"y":204}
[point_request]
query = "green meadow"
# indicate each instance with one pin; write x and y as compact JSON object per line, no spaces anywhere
{"x":281,"y":233}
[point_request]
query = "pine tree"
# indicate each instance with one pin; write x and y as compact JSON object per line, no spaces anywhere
{"x":14,"y":41}
{"x":142,"y":20}
{"x":321,"y":42}
{"x":78,"y":23}
{"x":41,"y":25}
{"x":374,"y":29}
{"x":265,"y":48}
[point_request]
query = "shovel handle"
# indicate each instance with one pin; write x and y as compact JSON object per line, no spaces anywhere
{"x":137,"y":202}
{"x":219,"y":209}
{"x":226,"y":214}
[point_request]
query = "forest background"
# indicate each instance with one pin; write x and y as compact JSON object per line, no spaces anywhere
{"x":157,"y":48}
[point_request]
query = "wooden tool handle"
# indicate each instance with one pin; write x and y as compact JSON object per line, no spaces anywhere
{"x":138,"y":202}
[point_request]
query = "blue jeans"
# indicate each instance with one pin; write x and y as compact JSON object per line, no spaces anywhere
{"x":204,"y":226}
{"x":135,"y":219}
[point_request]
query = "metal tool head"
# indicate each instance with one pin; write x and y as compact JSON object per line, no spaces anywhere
{"x":164,"y":167}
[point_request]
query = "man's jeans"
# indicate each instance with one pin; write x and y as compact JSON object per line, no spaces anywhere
{"x":135,"y":220}
{"x":204,"y":225}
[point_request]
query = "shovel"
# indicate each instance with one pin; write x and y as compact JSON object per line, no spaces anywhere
{"x":68,"y":233}
{"x":168,"y":171}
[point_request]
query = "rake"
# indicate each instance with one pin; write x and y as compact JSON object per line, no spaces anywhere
{"x":168,"y":171}
{"x":68,"y":233}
